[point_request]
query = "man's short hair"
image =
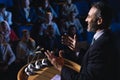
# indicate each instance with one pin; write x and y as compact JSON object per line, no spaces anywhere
{"x":104,"y":11}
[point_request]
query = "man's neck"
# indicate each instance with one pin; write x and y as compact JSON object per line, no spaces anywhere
{"x":99,"y":30}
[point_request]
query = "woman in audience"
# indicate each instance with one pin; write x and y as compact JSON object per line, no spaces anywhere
{"x":7,"y":57}
{"x":5,"y":30}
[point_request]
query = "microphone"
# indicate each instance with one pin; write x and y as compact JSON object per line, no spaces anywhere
{"x":44,"y":62}
{"x":38,"y":64}
{"x":38,"y":52}
{"x":34,"y":55}
{"x":29,"y":70}
{"x":38,"y":47}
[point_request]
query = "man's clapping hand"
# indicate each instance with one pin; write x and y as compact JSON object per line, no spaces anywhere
{"x":69,"y":41}
{"x":57,"y":62}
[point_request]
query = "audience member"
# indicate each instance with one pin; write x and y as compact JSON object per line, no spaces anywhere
{"x":26,"y":14}
{"x":50,"y":40}
{"x":72,"y":20}
{"x":5,"y":30}
{"x":25,"y":47}
{"x":5,"y":15}
{"x":49,"y":21}
{"x":99,"y":62}
{"x":26,"y":17}
{"x":44,"y":7}
{"x":36,"y":33}
{"x":69,"y":7}
{"x":7,"y":57}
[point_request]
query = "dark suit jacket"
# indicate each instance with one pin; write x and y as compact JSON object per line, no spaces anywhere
{"x":99,"y":61}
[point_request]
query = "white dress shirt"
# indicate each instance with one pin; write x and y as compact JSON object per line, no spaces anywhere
{"x":98,"y":34}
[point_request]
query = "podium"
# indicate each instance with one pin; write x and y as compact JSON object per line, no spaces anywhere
{"x":47,"y":72}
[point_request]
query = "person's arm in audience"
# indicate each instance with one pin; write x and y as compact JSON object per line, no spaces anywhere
{"x":12,"y":55}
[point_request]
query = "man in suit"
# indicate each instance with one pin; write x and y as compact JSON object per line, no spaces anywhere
{"x":99,"y":62}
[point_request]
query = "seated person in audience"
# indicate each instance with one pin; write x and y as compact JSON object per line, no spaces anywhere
{"x":49,"y":21}
{"x":69,"y":7}
{"x":44,"y":7}
{"x":26,"y":14}
{"x":5,"y":30}
{"x":36,"y":33}
{"x":25,"y":47}
{"x":25,"y":18}
{"x":5,"y":15}
{"x":100,"y":60}
{"x":7,"y":57}
{"x":72,"y":20}
{"x":50,"y":40}
{"x":8,"y":33}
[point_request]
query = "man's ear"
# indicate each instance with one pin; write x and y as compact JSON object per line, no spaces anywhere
{"x":99,"y":21}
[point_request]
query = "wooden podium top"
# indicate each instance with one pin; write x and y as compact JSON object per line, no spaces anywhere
{"x":45,"y":73}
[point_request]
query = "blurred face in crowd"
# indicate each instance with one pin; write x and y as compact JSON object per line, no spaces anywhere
{"x":72,"y":31}
{"x":92,"y":20}
{"x":26,"y":3}
{"x":69,"y":1}
{"x":26,"y":35}
{"x":72,"y":15}
{"x":46,"y":3}
{"x":49,"y":16}
{"x":3,"y":28}
{"x":50,"y":30}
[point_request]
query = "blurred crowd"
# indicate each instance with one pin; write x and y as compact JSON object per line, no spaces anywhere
{"x":30,"y":23}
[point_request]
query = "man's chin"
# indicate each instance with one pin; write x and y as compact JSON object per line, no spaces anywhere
{"x":88,"y":29}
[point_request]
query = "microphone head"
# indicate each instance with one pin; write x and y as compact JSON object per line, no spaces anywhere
{"x":37,"y":64}
{"x":42,"y":49}
{"x":44,"y":62}
{"x":38,"y":47}
{"x":38,"y":52}
{"x":31,"y":67}
{"x":28,"y":71}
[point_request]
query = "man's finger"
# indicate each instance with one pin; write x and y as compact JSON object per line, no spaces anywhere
{"x":60,"y":53}
{"x":74,"y":36}
{"x":46,"y":54}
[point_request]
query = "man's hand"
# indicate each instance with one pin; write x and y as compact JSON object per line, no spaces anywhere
{"x":69,"y":41}
{"x":57,"y":62}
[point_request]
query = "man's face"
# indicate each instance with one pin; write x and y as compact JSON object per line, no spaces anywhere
{"x":26,"y":3}
{"x":46,"y":3}
{"x":49,"y":16}
{"x":92,"y":20}
{"x":26,"y":36}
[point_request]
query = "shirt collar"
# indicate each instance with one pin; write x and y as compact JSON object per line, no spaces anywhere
{"x":98,"y":34}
